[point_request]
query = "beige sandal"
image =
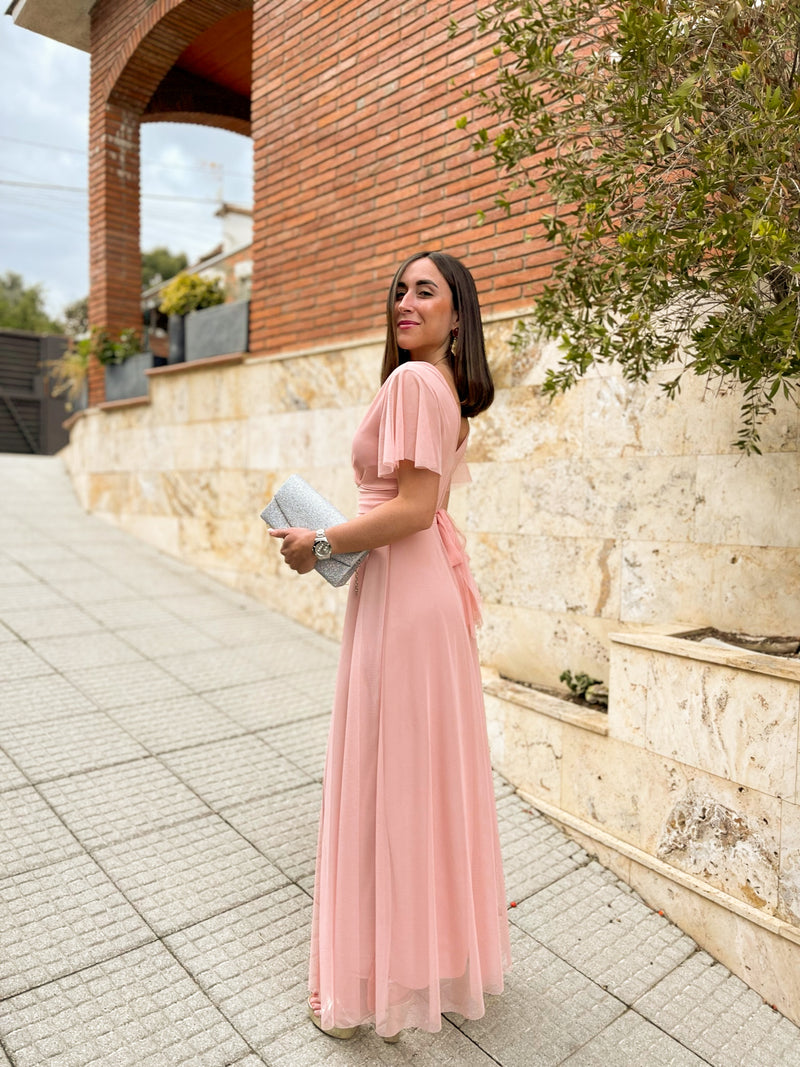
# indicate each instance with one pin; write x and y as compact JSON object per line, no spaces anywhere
{"x":344,"y":1033}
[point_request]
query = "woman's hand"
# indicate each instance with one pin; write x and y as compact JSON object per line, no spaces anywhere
{"x":297,"y":548}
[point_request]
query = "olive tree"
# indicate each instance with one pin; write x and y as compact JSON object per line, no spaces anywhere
{"x":665,"y":136}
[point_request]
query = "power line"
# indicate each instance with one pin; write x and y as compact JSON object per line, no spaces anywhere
{"x":77,"y":189}
{"x":145,"y":163}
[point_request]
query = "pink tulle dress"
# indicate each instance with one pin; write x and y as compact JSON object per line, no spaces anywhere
{"x":409,"y":908}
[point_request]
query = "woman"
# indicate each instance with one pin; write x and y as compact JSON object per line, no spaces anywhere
{"x":409,"y":909}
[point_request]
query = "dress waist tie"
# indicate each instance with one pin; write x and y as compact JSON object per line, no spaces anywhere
{"x":454,"y":545}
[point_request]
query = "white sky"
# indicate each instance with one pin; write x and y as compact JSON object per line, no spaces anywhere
{"x":44,"y":124}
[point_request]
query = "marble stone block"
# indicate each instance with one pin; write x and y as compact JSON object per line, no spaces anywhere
{"x":629,"y":497}
{"x":738,"y":725}
{"x":754,"y":589}
{"x":629,"y":675}
{"x":536,"y":646}
{"x":789,"y":888}
{"x":522,"y":422}
{"x":749,"y":500}
{"x":630,"y":418}
{"x":576,"y":575}
{"x":667,"y":583}
{"x":726,"y":836}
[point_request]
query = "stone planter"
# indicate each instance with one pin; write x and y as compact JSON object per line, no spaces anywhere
{"x":692,"y":796}
{"x":217,"y":331}
{"x":127,"y":380}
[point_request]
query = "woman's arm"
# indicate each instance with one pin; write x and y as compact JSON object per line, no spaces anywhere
{"x":412,"y":510}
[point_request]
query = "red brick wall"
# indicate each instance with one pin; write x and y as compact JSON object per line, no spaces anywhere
{"x":358,"y":162}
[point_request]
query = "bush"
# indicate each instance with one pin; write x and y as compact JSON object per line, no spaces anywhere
{"x":190,"y":292}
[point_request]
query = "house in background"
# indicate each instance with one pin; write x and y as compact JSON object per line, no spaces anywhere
{"x":601,"y":526}
{"x":231,"y":262}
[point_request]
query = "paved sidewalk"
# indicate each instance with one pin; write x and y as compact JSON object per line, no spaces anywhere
{"x":161,"y":752}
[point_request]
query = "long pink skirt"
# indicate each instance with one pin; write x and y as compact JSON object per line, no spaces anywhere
{"x":409,"y":905}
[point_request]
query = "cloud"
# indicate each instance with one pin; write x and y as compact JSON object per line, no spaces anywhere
{"x":44,"y":99}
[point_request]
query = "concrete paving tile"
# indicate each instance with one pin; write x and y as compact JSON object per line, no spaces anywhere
{"x":122,"y":802}
{"x":257,"y":706}
{"x":305,"y":1046}
{"x":50,"y":622}
{"x":252,"y":628}
{"x":18,"y":660}
{"x":51,"y":749}
{"x":547,"y":1011}
{"x":303,"y":743}
{"x":74,"y":652}
{"x":178,"y":637}
{"x":284,"y":827}
{"x":31,"y":833}
{"x":11,"y":777}
{"x":14,"y":574}
{"x":306,"y":883}
{"x":30,"y":700}
{"x":320,"y":685}
{"x":154,"y":578}
{"x":535,"y":853}
{"x":208,"y":605}
{"x":58,"y":747}
{"x":231,"y":772}
{"x":599,"y":926}
{"x":126,"y":684}
{"x":22,"y":552}
{"x":252,"y":962}
{"x":213,"y":668}
{"x":296,"y":656}
{"x":85,"y":592}
{"x":29,"y":595}
{"x":60,"y":918}
{"x":502,"y":787}
{"x":124,"y":614}
{"x":184,"y":874}
{"x":704,"y":1006}
{"x":4,"y":1060}
{"x":66,"y":570}
{"x":138,"y":1010}
{"x":631,"y":1041}
{"x":180,"y":722}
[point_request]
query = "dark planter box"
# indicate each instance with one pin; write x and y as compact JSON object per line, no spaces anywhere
{"x":176,"y":329}
{"x":218,"y":331}
{"x":127,"y":380}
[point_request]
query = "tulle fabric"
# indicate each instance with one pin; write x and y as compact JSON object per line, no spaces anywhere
{"x":409,"y":907}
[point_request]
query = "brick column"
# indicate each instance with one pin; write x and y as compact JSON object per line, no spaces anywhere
{"x":114,"y":272}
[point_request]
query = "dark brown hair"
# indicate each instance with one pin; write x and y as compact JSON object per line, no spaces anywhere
{"x":473,"y":378}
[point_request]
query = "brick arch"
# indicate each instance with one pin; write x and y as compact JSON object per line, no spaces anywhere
{"x":233,"y":123}
{"x":162,"y":33}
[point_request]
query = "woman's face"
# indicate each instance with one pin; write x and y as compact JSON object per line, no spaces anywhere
{"x":424,"y":314}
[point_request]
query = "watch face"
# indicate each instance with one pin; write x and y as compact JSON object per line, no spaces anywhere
{"x":322,"y":549}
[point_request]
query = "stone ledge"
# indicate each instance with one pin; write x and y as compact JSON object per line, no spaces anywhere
{"x":758,"y":662}
{"x":547,"y":704}
{"x":126,"y":402}
{"x":197,"y":364}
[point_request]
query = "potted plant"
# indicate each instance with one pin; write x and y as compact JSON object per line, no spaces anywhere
{"x":182,"y":294}
{"x":67,"y":374}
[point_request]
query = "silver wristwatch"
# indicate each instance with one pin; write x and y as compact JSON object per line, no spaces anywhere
{"x":322,"y":546}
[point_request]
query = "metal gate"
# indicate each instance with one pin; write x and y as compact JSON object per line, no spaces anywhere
{"x":30,"y":419}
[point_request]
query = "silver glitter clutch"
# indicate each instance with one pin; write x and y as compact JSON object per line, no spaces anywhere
{"x":297,"y":504}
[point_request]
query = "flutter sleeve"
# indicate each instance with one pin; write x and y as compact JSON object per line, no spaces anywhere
{"x":412,"y":426}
